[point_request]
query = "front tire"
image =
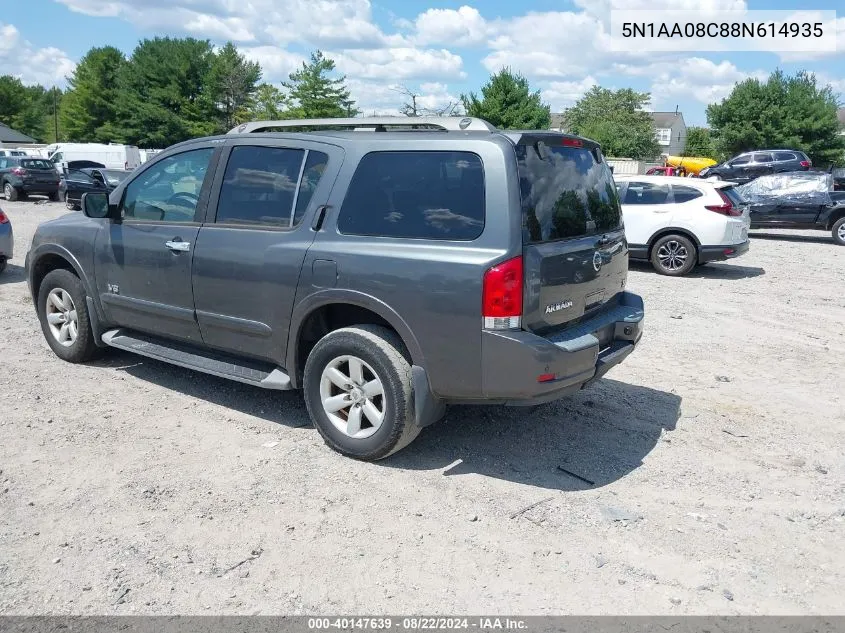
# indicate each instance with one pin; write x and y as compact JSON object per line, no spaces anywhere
{"x":63,"y":314}
{"x":10,"y":192}
{"x":673,"y":255}
{"x":357,"y":387}
{"x":838,"y":231}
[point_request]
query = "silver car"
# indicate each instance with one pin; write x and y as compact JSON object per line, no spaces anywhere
{"x":7,"y":240}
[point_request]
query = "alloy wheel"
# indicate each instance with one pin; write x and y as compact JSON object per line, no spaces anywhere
{"x":61,"y":317}
{"x":672,"y":255}
{"x":352,"y":395}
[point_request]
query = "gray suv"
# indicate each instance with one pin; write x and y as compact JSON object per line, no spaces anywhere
{"x":385,"y":272}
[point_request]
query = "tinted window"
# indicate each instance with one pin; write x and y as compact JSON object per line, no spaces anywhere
{"x":685,"y":194}
{"x":742,"y":160}
{"x":426,"y":195}
{"x":315,"y":164}
{"x":74,"y":175}
{"x":785,"y":156}
{"x":259,"y":186}
{"x":646,"y":193}
{"x":733,"y":195}
{"x":169,"y":190}
{"x":763,"y":158}
{"x":566,"y":193}
{"x":30,"y":163}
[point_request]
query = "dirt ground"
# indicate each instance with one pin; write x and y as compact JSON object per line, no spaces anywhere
{"x":715,"y":454}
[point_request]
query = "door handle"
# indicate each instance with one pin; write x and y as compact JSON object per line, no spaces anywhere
{"x":177,"y":245}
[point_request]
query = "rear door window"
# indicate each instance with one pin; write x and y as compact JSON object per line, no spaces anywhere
{"x":566,"y":192}
{"x":646,"y":193}
{"x":432,"y":195}
{"x":682,"y":193}
{"x":763,"y":158}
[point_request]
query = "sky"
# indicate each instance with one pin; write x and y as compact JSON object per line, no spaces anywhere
{"x":435,"y":48}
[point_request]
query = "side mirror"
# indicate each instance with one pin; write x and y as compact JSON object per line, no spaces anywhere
{"x":95,"y":205}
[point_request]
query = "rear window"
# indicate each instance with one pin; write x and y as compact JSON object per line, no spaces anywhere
{"x":423,"y":195}
{"x":733,"y":195}
{"x":36,"y":164}
{"x":566,"y":193}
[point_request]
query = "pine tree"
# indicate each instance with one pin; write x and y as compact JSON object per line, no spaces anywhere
{"x":508,"y":103}
{"x":315,"y":94}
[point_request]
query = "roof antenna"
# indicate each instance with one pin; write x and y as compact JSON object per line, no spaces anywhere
{"x":676,"y":109}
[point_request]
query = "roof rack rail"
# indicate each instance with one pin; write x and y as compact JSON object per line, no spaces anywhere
{"x":453,"y":123}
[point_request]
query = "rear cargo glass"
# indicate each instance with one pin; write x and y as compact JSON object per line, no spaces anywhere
{"x":566,"y":193}
{"x":36,"y":164}
{"x":733,"y":195}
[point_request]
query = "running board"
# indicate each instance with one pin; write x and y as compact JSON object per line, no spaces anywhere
{"x":255,"y":373}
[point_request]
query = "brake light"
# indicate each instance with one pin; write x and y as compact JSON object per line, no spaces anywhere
{"x":572,"y":142}
{"x":3,"y":218}
{"x":726,"y":208}
{"x":806,"y":164}
{"x":501,"y":302}
{"x":19,"y":171}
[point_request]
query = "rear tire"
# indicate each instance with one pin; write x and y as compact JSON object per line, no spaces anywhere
{"x":54,"y":197}
{"x":63,"y":314}
{"x":3,"y":263}
{"x":10,"y":192}
{"x":673,"y":255}
{"x":357,"y":387}
{"x":838,"y":231}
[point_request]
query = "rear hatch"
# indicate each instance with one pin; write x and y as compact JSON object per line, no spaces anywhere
{"x":38,"y":170}
{"x":574,"y":249}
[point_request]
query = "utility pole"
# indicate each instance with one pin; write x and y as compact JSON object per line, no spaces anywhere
{"x":56,"y":112}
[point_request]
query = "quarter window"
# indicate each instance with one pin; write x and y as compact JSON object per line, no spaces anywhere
{"x":424,"y":195}
{"x":169,"y":190}
{"x":785,"y":156}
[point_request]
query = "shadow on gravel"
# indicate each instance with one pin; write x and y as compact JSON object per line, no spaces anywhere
{"x":13,"y":274}
{"x":709,"y":271}
{"x":824,"y":237}
{"x":280,"y":407}
{"x":599,"y":435}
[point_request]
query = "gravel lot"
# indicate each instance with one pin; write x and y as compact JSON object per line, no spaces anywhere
{"x":715,"y":452}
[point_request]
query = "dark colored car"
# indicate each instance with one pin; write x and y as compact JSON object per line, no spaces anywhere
{"x":750,"y":165}
{"x":384,"y":274}
{"x":7,"y":240}
{"x":802,"y":200}
{"x":21,"y":176}
{"x":80,"y":181}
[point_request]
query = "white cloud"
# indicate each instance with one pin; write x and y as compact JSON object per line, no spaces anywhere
{"x":563,"y":94}
{"x":19,"y":58}
{"x":277,"y":63}
{"x":462,"y":27}
{"x":838,"y":27}
{"x":694,"y":77}
{"x":393,"y":64}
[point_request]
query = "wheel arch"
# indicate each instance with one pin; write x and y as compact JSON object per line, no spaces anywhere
{"x":834,"y":217}
{"x":49,"y":257}
{"x":332,"y":309}
{"x":672,"y":231}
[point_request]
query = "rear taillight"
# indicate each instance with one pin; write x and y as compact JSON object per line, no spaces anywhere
{"x":3,"y":218}
{"x":501,"y":302}
{"x":726,"y":208}
{"x":19,"y":171}
{"x":806,"y":164}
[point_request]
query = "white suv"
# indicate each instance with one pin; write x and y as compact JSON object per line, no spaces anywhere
{"x":677,"y":223}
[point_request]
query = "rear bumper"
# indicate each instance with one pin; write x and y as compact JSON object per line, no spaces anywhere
{"x":513,"y":361}
{"x":38,"y":187}
{"x":721,"y":253}
{"x":7,"y":241}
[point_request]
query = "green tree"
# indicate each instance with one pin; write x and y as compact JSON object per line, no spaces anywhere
{"x":89,"y":109}
{"x":268,"y":104}
{"x":25,"y":108}
{"x":700,"y":143}
{"x":616,"y":120}
{"x":163,"y":93}
{"x":784,"y":111}
{"x":508,"y":103}
{"x":232,"y":82}
{"x":315,"y":94}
